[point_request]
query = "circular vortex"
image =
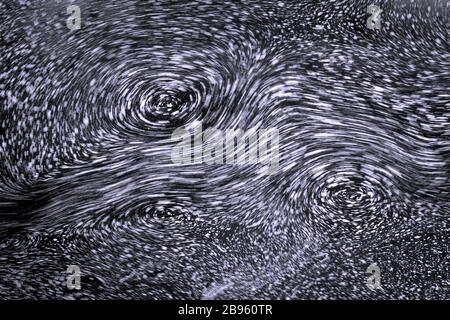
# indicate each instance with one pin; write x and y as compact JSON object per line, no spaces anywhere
{"x":86,"y":170}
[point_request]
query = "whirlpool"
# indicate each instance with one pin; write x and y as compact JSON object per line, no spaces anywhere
{"x":166,"y":150}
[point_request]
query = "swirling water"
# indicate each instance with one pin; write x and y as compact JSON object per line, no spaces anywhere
{"x":87,"y":179}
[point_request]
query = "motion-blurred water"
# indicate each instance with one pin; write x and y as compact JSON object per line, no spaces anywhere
{"x":86,"y":176}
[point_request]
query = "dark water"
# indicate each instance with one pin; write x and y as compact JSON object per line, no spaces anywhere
{"x":86,"y":176}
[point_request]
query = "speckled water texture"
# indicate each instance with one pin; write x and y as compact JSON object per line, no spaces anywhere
{"x":86,"y":176}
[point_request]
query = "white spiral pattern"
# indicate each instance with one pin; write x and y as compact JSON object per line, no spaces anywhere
{"x":86,"y":176}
